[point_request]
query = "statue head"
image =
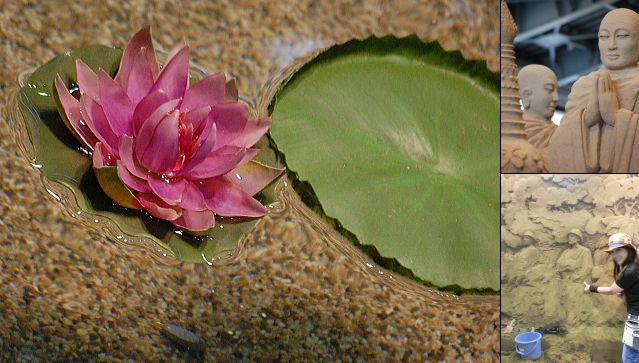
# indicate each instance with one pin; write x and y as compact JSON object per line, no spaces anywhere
{"x":619,"y":39}
{"x":574,"y":237}
{"x":538,"y":90}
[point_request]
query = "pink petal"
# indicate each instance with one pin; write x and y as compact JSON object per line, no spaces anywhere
{"x":87,"y":80}
{"x":140,"y":80}
{"x":207,"y":92}
{"x":195,"y":220}
{"x":158,"y":208}
{"x":131,"y":181}
{"x":162,"y":152}
{"x":101,"y":156}
{"x":95,"y":118}
{"x":228,"y":200}
{"x":218,"y":163}
{"x":202,"y":153}
{"x":71,"y":108}
{"x":252,"y":133}
{"x":169,"y":189}
{"x":230,"y":120}
{"x":141,"y":40}
{"x":126,"y":155}
{"x":175,"y":76}
{"x":158,"y":102}
{"x":252,"y":176}
{"x":146,"y":132}
{"x":178,"y":47}
{"x":192,"y":199}
{"x":116,"y":104}
{"x":198,"y":117}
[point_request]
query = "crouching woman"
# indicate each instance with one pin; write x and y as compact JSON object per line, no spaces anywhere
{"x":626,"y":273}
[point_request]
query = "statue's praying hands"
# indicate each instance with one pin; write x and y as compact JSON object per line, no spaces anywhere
{"x":608,"y":101}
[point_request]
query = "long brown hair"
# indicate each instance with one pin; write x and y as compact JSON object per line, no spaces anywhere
{"x":632,"y":258}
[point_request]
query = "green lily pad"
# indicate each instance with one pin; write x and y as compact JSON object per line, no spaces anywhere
{"x":62,"y":159}
{"x":399,"y":140}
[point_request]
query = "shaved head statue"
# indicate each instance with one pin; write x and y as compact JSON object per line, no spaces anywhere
{"x":538,"y":91}
{"x":619,"y":39}
{"x":600,"y":131}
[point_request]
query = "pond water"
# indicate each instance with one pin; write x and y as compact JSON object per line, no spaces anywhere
{"x":295,"y":291}
{"x":554,"y":232}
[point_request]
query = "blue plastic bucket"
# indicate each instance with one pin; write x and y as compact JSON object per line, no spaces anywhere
{"x":528,"y":345}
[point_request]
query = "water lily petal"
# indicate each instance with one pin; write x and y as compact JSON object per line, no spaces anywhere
{"x":228,"y":200}
{"x":140,"y":80}
{"x":252,"y":176}
{"x":220,"y":163}
{"x":126,"y":156}
{"x":95,"y":118}
{"x":146,"y":132}
{"x":130,"y":180}
{"x":230,"y":119}
{"x":158,"y":208}
{"x":192,"y":199}
{"x":157,"y":102}
{"x":141,"y":40}
{"x":87,"y":80}
{"x":207,"y":92}
{"x":176,"y":49}
{"x":116,"y":104}
{"x":174,"y":76}
{"x":169,"y":189}
{"x":163,"y":150}
{"x":253,"y":131}
{"x":195,"y":221}
{"x":202,"y":153}
{"x":72,"y":116}
{"x":198,"y":117}
{"x":102,"y":157}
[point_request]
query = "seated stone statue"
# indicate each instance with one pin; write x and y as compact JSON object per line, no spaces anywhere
{"x":575,"y":263}
{"x":599,"y":131}
{"x":538,"y":91}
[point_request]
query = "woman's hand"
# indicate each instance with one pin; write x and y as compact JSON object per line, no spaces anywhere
{"x":587,"y":287}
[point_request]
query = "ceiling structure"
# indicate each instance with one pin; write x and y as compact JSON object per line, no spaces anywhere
{"x":562,"y":35}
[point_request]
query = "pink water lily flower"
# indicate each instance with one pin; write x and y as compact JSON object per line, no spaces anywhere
{"x":181,"y":153}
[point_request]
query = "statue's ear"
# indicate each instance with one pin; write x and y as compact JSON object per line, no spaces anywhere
{"x":526,"y":96}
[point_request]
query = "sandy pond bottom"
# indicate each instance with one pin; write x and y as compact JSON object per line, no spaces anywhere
{"x":298,"y":293}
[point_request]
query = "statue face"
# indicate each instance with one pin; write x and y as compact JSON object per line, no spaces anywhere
{"x":573,"y":239}
{"x":544,"y":94}
{"x":619,"y":41}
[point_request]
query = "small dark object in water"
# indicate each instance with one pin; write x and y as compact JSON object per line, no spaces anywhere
{"x":182,"y":337}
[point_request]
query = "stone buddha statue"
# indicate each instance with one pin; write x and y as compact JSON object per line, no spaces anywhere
{"x":600,"y":131}
{"x":538,"y":91}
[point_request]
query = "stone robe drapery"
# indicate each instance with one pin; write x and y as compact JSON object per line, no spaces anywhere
{"x":576,"y":148}
{"x":538,"y":131}
{"x":575,"y":264}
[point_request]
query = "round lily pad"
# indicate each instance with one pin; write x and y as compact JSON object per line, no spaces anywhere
{"x":62,"y":159}
{"x":399,"y":143}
